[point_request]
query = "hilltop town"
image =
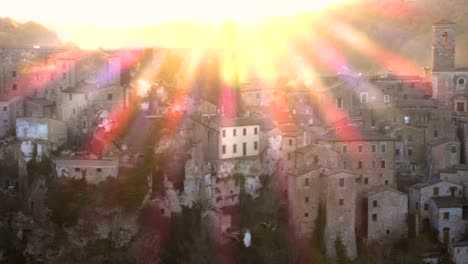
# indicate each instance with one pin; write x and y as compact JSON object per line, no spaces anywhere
{"x":98,"y":163}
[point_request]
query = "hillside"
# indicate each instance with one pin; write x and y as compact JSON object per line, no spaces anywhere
{"x":13,"y":33}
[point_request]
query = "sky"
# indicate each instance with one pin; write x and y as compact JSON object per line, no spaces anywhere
{"x":97,"y":23}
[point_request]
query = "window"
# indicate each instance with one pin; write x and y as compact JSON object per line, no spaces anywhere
{"x":255,"y":131}
{"x":374,"y":203}
{"x":224,"y":149}
{"x":410,"y":151}
{"x":364,"y":98}
{"x":446,"y":216}
{"x":386,"y":182}
{"x":374,"y":148}
{"x":234,"y":132}
{"x":426,"y":207}
{"x":374,"y":217}
{"x":366,"y":181}
{"x":290,"y":142}
{"x":454,"y":148}
{"x":360,"y":148}
{"x":339,"y":103}
{"x":99,"y":169}
{"x":460,"y":107}
{"x":345,"y":164}
{"x":341,"y":202}
{"x":289,"y":156}
{"x":410,"y":137}
{"x":341,"y":182}
{"x":344,"y":148}
{"x":316,"y":159}
{"x":14,"y":87}
{"x":405,"y":96}
{"x":382,"y":164}
{"x":306,"y":214}
{"x":386,"y":99}
{"x":109,"y":96}
{"x":244,"y":131}
{"x":77,"y":169}
{"x":436,"y":133}
{"x":407,"y":120}
{"x":306,"y":181}
{"x":255,"y":145}
{"x":13,"y":74}
{"x":359,"y":165}
{"x":461,"y":81}
{"x":234,"y":148}
{"x":397,"y":152}
{"x":5,"y":108}
{"x":435,"y":191}
{"x":388,"y":232}
{"x":307,"y":199}
{"x":224,"y":132}
{"x":64,"y":76}
{"x":383,"y":148}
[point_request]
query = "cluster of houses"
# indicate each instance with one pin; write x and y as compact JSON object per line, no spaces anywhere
{"x":336,"y":146}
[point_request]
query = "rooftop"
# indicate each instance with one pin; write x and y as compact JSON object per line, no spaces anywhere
{"x":448,"y":202}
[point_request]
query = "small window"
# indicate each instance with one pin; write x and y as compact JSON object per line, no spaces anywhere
{"x":397,"y":152}
{"x":345,"y":164}
{"x":461,"y":81}
{"x":426,"y":207}
{"x":436,"y":133}
{"x":14,"y":87}
{"x":306,"y":214}
{"x":244,"y":131}
{"x":405,"y":96}
{"x":386,"y":99}
{"x":255,"y":145}
{"x":360,"y":148}
{"x":364,"y":98}
{"x":410,"y":151}
{"x":460,"y":107}
{"x":289,"y":156}
{"x":383,"y":148}
{"x":435,"y":191}
{"x":341,"y":182}
{"x":382,"y":164}
{"x":290,"y":142}
{"x":366,"y":181}
{"x":13,"y":74}
{"x":359,"y":166}
{"x":407,"y":120}
{"x":374,"y":148}
{"x":5,"y":108}
{"x":306,"y":181}
{"x":234,"y":148}
{"x":224,"y":149}
{"x":255,"y":131}
{"x":375,"y":203}
{"x":374,"y":217}
{"x":77,"y":169}
{"x":234,"y":132}
{"x":446,"y":216}
{"x":109,"y":96}
{"x":306,"y":199}
{"x":410,"y":137}
{"x":417,"y":205}
{"x":316,"y":159}
{"x":64,"y":76}
{"x":341,"y":202}
{"x":388,"y":232}
{"x":344,"y":148}
{"x":224,"y":132}
{"x":99,"y":169}
{"x":386,"y":182}
{"x":339,"y":103}
{"x":454,"y":148}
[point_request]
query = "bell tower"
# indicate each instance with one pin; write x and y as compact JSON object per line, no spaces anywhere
{"x":443,"y":46}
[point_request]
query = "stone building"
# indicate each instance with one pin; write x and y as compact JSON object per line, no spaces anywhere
{"x":457,"y":174}
{"x":410,"y":149}
{"x":94,"y":170}
{"x":448,"y":219}
{"x":441,"y":154}
{"x":420,"y":195}
{"x":10,"y":108}
{"x":387,"y":214}
{"x":339,"y":188}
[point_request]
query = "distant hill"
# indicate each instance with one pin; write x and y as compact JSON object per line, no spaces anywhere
{"x":13,"y":33}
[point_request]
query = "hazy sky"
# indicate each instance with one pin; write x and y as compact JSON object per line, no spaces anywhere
{"x":82,"y":21}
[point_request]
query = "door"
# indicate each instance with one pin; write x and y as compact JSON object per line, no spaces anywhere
{"x":446,"y":235}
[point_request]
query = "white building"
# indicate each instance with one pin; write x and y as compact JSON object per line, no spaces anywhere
{"x":93,"y":170}
{"x":239,"y":138}
{"x":460,"y":252}
{"x":10,"y":108}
